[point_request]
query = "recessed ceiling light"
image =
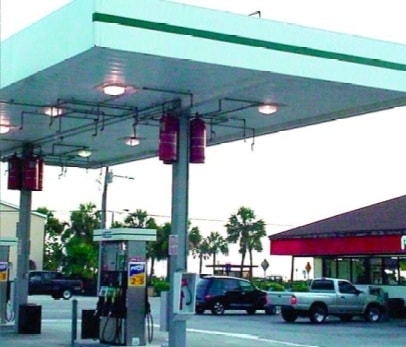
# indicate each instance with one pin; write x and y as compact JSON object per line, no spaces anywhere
{"x":4,"y":129}
{"x":267,"y":109}
{"x":132,"y":141}
{"x":114,"y":89}
{"x":4,"y":126}
{"x":84,"y":153}
{"x":53,"y":111}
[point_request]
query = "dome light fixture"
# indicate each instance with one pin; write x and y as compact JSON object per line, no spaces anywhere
{"x":84,"y":153}
{"x":131,"y":141}
{"x":267,"y":109}
{"x":114,"y":89}
{"x":4,"y":129}
{"x":53,"y":111}
{"x":4,"y":126}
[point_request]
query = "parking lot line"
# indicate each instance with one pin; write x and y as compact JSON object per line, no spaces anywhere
{"x":249,"y":337}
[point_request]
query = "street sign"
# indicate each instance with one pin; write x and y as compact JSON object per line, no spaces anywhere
{"x":265,"y":264}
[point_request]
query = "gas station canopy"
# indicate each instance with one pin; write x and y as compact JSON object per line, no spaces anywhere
{"x":171,"y":58}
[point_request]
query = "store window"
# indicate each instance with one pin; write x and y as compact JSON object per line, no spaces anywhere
{"x":367,"y":270}
{"x":344,"y":266}
{"x":402,"y":269}
{"x":376,"y":270}
{"x":329,"y":267}
{"x":363,"y":273}
{"x":390,"y":271}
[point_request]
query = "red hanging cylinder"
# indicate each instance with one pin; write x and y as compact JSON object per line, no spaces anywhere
{"x":32,"y":173}
{"x":168,"y":139}
{"x":40,"y":174}
{"x":197,"y":140}
{"x":14,"y":173}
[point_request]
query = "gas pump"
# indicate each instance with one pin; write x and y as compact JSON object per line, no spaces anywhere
{"x":122,"y":305}
{"x":5,"y":287}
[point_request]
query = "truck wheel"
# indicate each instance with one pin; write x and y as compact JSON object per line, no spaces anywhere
{"x":318,"y":314}
{"x":66,"y":294}
{"x":373,"y":313}
{"x":218,"y":308}
{"x":289,"y":315}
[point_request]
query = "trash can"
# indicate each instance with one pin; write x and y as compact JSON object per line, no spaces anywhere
{"x":29,"y":319}
{"x":90,"y":324}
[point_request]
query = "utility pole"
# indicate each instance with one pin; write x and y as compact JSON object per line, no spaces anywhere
{"x":107,"y":180}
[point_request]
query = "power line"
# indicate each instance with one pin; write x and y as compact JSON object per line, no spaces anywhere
{"x":201,"y":219}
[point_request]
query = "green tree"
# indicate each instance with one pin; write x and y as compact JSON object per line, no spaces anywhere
{"x":79,"y":248}
{"x":195,"y":238}
{"x":242,"y":228}
{"x":199,"y":247}
{"x":215,"y":244}
{"x":158,"y":250}
{"x":53,"y":250}
{"x":140,"y":219}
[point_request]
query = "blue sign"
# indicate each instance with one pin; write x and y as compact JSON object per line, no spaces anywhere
{"x":136,"y":274}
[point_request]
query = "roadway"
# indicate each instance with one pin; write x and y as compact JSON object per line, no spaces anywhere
{"x":239,"y":329}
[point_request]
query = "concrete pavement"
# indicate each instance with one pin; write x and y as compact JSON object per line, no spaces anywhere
{"x":58,"y":334}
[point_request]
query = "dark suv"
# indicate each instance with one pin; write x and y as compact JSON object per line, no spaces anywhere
{"x":220,"y":293}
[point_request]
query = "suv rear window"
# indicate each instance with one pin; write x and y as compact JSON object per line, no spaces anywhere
{"x":201,"y":287}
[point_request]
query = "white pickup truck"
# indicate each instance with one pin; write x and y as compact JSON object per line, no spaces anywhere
{"x":327,"y":296}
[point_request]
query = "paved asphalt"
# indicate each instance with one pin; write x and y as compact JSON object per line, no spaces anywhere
{"x":56,"y":331}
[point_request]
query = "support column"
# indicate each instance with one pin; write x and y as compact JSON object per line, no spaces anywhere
{"x":23,"y":252}
{"x":180,"y":195}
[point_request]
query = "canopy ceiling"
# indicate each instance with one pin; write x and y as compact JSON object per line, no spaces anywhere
{"x":178,"y":58}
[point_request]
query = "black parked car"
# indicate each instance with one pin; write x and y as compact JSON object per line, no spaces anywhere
{"x":220,"y":293}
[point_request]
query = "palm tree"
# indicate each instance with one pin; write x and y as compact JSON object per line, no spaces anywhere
{"x":215,"y":243}
{"x":201,"y":252}
{"x":140,"y":219}
{"x":198,"y":246}
{"x":248,"y":232}
{"x":195,"y":238}
{"x":158,"y":250}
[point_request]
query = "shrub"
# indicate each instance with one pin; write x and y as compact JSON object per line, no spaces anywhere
{"x":299,"y":286}
{"x":268,"y":285}
{"x":276,"y":287}
{"x":160,"y":286}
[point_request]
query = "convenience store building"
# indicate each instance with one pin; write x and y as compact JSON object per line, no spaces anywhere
{"x":366,"y":246}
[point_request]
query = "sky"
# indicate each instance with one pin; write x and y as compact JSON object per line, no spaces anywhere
{"x":289,"y":179}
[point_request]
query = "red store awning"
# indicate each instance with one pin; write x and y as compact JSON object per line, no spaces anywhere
{"x":352,"y":245}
